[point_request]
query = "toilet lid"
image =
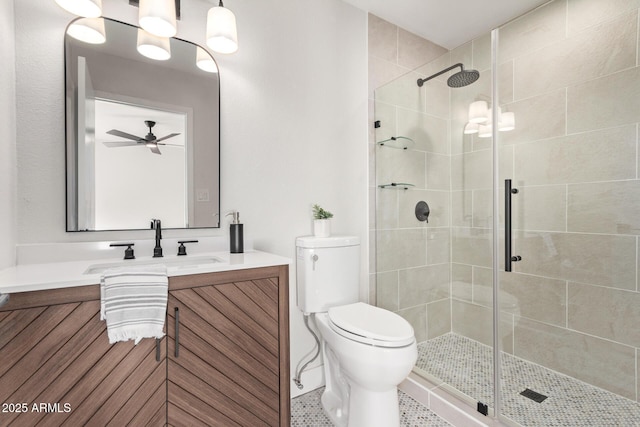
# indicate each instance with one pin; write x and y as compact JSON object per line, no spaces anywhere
{"x":371,"y":325}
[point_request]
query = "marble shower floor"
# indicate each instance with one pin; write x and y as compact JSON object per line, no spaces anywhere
{"x":467,"y":366}
{"x":306,"y":411}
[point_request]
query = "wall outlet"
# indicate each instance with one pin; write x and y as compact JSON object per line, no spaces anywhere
{"x":202,"y":195}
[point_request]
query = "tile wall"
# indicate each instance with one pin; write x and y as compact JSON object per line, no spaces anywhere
{"x":569,"y":71}
{"x":410,"y":272}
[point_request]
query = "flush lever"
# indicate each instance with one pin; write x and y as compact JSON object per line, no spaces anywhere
{"x":314,"y":258}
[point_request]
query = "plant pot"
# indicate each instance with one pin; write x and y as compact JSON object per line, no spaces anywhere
{"x":322,"y":227}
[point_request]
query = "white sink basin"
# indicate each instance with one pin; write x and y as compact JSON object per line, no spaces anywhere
{"x":171,"y":263}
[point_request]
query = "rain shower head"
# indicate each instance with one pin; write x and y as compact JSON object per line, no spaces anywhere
{"x":460,"y":79}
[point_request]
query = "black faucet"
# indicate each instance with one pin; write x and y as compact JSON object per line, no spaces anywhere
{"x":155,"y":225}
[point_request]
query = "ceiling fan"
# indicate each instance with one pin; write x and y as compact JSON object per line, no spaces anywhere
{"x":149,"y":140}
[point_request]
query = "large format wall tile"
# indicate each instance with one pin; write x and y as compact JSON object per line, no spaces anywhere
{"x":586,"y":13}
{"x":438,"y":172}
{"x":604,"y":207}
{"x":539,"y":117}
{"x":462,"y":208}
{"x":606,"y":313}
{"x":578,"y":158}
{"x":398,"y":249}
{"x":534,"y":297}
{"x":472,"y":321}
{"x":386,"y":209}
{"x":383,"y":38}
{"x":429,"y":133}
{"x":400,"y":166}
{"x":473,"y":171}
{"x":542,"y":27}
{"x":386,"y":114}
{"x":380,"y":73}
{"x":462,"y":282}
{"x":540,"y":208}
{"x":438,"y":202}
{"x":596,"y":361}
{"x":438,"y":318}
{"x":402,"y":92}
{"x":417,"y":317}
{"x":587,"y":258}
{"x":471,"y":246}
{"x":438,"y":245}
{"x":387,"y":290}
{"x":599,"y":51}
{"x":414,"y":51}
{"x":423,"y":284}
{"x":613,"y":100}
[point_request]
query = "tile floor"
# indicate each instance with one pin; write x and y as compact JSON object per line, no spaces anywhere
{"x":467,"y":366}
{"x":306,"y":411}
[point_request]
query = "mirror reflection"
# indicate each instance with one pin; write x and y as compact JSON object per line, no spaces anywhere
{"x":142,"y":134}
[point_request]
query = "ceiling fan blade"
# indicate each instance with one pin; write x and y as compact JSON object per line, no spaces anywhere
{"x":167,"y":137}
{"x":115,"y":144}
{"x":121,"y":134}
{"x":170,"y":145}
{"x":154,"y":149}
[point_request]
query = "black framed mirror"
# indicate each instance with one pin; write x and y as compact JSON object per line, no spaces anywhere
{"x":142,"y":135}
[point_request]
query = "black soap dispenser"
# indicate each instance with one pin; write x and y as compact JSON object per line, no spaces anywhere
{"x":236,"y":238}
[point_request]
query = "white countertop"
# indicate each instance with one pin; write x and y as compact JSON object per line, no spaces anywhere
{"x":55,"y":275}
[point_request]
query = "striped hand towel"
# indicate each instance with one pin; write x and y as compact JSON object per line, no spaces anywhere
{"x":133,"y":301}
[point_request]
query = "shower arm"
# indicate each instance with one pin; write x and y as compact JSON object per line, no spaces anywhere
{"x":422,"y":81}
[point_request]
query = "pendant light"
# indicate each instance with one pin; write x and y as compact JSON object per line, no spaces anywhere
{"x":154,"y":47}
{"x":158,"y":17}
{"x":204,"y":61}
{"x":222,"y":34}
{"x":86,"y":8}
{"x":88,"y":30}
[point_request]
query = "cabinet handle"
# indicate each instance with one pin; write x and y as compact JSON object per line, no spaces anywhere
{"x":158,"y":352}
{"x":177,"y":315}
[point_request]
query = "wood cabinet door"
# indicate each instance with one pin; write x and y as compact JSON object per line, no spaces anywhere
{"x":224,"y":355}
{"x":57,"y":367}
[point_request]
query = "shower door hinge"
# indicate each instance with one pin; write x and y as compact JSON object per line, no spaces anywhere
{"x":483,"y":408}
{"x":376,"y":124}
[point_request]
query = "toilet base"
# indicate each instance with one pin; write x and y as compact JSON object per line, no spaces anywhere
{"x":366,"y":408}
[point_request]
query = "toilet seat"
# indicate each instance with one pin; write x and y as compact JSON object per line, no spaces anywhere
{"x":370,"y":325}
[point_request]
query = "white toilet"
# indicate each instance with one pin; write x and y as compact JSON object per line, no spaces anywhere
{"x":367,"y":350}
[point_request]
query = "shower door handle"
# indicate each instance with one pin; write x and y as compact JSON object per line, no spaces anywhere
{"x":508,"y":258}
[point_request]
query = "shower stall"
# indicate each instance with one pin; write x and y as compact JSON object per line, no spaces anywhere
{"x":532,"y":168}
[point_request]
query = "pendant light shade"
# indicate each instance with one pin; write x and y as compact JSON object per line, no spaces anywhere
{"x":88,"y":30}
{"x":485,"y":131}
{"x":471,"y":128}
{"x":478,"y":112}
{"x":158,"y":17}
{"x":86,"y":8}
{"x":222,"y":35}
{"x":154,"y":47}
{"x":507,"y":121}
{"x":204,"y":61}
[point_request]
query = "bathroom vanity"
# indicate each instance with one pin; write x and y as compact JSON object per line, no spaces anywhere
{"x":224,"y":360}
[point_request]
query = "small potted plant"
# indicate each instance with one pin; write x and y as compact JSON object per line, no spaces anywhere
{"x":321,"y":222}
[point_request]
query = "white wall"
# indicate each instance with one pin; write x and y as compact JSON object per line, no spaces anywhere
{"x":293,"y":124}
{"x":7,"y":137}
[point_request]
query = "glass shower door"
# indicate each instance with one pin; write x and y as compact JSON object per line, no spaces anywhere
{"x":570,"y":308}
{"x":425,"y":265}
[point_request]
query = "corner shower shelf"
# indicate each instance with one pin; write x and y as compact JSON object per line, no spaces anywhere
{"x":399,"y":142}
{"x":397,"y":186}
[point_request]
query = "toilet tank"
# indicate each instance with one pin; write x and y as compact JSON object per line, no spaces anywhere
{"x":327,"y":272}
